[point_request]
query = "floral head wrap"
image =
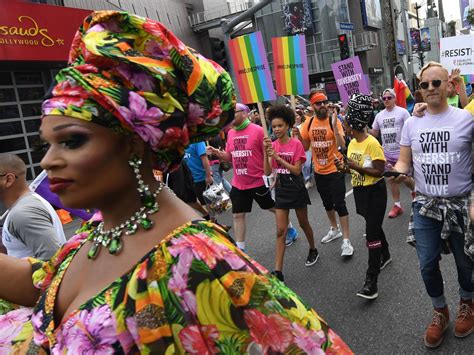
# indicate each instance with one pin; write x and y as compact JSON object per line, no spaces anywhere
{"x":359,"y":112}
{"x":132,"y":74}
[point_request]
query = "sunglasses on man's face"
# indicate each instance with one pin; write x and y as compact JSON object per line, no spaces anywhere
{"x":435,"y":83}
{"x":320,"y":103}
{"x":387,"y":98}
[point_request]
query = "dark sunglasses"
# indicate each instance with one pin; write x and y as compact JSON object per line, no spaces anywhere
{"x":387,"y":98}
{"x":426,"y":84}
{"x":320,"y":103}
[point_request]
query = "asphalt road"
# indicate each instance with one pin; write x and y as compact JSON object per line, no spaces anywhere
{"x":395,"y":322}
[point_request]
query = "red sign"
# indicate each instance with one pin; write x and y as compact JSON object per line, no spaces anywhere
{"x":37,"y":32}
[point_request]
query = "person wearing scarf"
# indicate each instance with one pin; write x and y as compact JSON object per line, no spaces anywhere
{"x":151,"y":277}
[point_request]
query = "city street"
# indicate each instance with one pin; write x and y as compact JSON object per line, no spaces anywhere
{"x":392,"y":324}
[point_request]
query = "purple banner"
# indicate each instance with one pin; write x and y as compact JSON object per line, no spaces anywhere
{"x":350,"y":78}
{"x":40,"y":185}
{"x":465,"y":7}
{"x":415,"y":39}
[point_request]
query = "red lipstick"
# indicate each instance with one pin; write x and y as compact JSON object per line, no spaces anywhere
{"x":58,"y":184}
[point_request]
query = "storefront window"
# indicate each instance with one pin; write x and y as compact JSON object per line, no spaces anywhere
{"x":36,"y":156}
{"x":7,"y":95}
{"x":30,"y":94}
{"x":24,"y":157}
{"x":28,"y":78}
{"x":11,"y":128}
{"x":32,"y":126}
{"x":30,"y":110}
{"x":12,"y":144}
{"x":9,"y":111}
{"x":21,"y":93}
{"x":5,"y":78}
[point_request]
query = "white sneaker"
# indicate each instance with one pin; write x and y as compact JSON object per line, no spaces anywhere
{"x":332,"y":234}
{"x":347,"y":248}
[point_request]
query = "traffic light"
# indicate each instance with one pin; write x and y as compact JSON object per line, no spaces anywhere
{"x":344,"y":46}
{"x":218,"y":52}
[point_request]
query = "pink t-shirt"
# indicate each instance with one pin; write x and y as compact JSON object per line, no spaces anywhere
{"x":292,"y":152}
{"x":246,"y":149}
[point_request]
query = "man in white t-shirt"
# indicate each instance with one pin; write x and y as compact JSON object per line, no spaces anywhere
{"x":389,"y":123}
{"x":438,"y":146}
{"x":31,"y":228}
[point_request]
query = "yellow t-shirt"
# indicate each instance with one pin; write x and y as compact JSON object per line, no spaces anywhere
{"x":364,"y":153}
{"x":470,"y":107}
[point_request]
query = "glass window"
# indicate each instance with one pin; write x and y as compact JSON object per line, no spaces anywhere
{"x":7,"y":95}
{"x":34,"y":141}
{"x":29,"y":175}
{"x":30,"y":110}
{"x":32,"y":126}
{"x":37,"y":155}
{"x":38,"y":169}
{"x":24,"y":157}
{"x":12,"y":144}
{"x":10,"y":128}
{"x":9,"y":111}
{"x":28,"y":78}
{"x":27,"y":94}
{"x":5,"y":78}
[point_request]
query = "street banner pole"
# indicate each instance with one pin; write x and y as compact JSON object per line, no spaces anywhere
{"x":263,"y":120}
{"x":293,"y":102}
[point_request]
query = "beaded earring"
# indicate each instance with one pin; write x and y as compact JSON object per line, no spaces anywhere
{"x":112,"y":238}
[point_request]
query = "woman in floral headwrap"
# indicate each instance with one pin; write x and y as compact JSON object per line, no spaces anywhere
{"x":152,"y":277}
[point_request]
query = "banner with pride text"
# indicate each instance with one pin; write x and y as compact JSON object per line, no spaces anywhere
{"x":290,"y":65}
{"x":349,"y":78}
{"x":251,"y":69}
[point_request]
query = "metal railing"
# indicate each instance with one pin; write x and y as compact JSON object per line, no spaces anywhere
{"x":218,"y":12}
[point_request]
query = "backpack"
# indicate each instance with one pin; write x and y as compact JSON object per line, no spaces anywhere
{"x":311,"y":122}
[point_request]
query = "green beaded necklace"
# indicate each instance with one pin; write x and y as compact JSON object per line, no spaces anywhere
{"x":112,"y":238}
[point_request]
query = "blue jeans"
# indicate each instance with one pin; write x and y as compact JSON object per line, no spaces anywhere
{"x":428,"y":246}
{"x":218,"y":177}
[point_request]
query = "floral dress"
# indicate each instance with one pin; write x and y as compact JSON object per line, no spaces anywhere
{"x":195,"y":293}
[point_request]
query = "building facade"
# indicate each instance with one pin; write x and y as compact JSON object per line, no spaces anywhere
{"x":29,"y":62}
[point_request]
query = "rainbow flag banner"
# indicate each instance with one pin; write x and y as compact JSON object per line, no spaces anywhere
{"x":251,"y":69}
{"x":404,"y":97}
{"x":290,"y":65}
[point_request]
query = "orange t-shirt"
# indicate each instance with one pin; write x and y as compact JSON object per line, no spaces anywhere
{"x":323,"y":144}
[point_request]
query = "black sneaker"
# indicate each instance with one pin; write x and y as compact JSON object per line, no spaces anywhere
{"x":312,"y":258}
{"x":384,"y":261}
{"x":278,"y":275}
{"x":369,"y":291}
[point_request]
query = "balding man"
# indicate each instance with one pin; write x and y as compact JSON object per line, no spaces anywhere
{"x":31,"y":227}
{"x":438,"y":145}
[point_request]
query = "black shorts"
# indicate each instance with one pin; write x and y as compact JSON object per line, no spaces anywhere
{"x":242,"y":199}
{"x":199,"y":188}
{"x":332,"y":189}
